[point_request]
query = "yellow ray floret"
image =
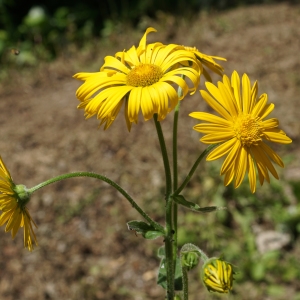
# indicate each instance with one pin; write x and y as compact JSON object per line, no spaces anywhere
{"x":142,"y":79}
{"x":14,"y":210}
{"x":241,"y":130}
{"x":207,"y":61}
{"x":217,"y":275}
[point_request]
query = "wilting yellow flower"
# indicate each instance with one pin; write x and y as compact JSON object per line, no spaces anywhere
{"x":207,"y":61}
{"x":142,"y":78}
{"x":13,"y":200}
{"x":241,"y":130}
{"x":217,"y":275}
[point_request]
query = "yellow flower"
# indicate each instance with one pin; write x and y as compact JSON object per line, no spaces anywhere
{"x":207,"y":61}
{"x":241,"y":130}
{"x":142,"y":78}
{"x":13,"y":200}
{"x":217,"y":276}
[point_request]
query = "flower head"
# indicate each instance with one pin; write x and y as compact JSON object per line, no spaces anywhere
{"x":241,"y":130}
{"x":13,"y":200}
{"x":141,"y":78}
{"x":207,"y":61}
{"x":217,"y":275}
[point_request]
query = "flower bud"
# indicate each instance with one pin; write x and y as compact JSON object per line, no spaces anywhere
{"x":217,"y":275}
{"x":189,"y":260}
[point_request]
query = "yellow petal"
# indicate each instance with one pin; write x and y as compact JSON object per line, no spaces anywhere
{"x":143,"y":40}
{"x":262,"y":169}
{"x":16,"y":225}
{"x":5,"y":216}
{"x":210,"y":128}
{"x":128,"y":123}
{"x":271,"y":123}
{"x":215,"y":105}
{"x":254,"y":92}
{"x":229,"y":101}
{"x":276,"y":136}
{"x":112,"y":99}
{"x":272,"y":154}
{"x":230,"y":159}
{"x":113,"y":63}
{"x":246,"y":94}
{"x":251,"y":173}
{"x":12,"y":219}
{"x":210,"y":118}
{"x":134,"y":104}
{"x":267,"y":110}
{"x":260,"y":105}
{"x":241,"y":166}
{"x":217,"y":137}
{"x":265,"y":160}
{"x":221,"y":150}
{"x":235,"y":83}
{"x":177,"y":80}
{"x":146,"y":104}
{"x":229,"y":175}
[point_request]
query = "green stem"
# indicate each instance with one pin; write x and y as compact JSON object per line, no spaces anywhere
{"x":175,"y":177}
{"x":170,"y":266}
{"x":194,"y":167}
{"x":165,"y":157}
{"x":168,"y":214}
{"x":105,"y":179}
{"x":185,"y":283}
{"x":175,"y":128}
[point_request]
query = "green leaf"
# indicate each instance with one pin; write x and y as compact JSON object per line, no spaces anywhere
{"x":179,"y":199}
{"x":139,"y":226}
{"x":162,"y":275}
{"x":146,"y":230}
{"x":152,"y":235}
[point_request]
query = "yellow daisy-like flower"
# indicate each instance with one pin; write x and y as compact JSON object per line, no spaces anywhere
{"x":142,"y":78}
{"x":217,"y":276}
{"x":207,"y":61}
{"x":13,"y":199}
{"x":241,"y":130}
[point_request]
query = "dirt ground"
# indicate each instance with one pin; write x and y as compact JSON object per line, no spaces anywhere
{"x":85,"y":250}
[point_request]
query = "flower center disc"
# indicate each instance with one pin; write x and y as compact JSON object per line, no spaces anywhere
{"x":144,"y":75}
{"x":248,"y":130}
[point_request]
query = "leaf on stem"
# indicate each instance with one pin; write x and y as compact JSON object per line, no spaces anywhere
{"x":146,"y":230}
{"x":179,"y":199}
{"x":162,"y":275}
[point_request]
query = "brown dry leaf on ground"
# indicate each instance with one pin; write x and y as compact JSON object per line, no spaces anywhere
{"x":85,"y":250}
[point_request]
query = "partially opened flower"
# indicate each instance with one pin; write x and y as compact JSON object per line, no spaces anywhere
{"x":13,"y":200}
{"x":142,"y":78}
{"x":217,"y":275}
{"x":208,"y":61}
{"x":241,"y":129}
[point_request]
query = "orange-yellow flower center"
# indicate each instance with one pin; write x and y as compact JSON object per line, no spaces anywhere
{"x":248,"y":129}
{"x":144,"y":75}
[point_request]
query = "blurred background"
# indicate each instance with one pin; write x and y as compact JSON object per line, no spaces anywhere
{"x":85,"y":250}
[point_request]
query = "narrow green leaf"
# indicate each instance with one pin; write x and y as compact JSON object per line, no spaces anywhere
{"x":179,"y":199}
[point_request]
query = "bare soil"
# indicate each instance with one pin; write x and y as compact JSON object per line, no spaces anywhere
{"x":85,"y":250}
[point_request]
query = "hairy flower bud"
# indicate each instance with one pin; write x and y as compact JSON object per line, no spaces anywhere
{"x":189,"y":260}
